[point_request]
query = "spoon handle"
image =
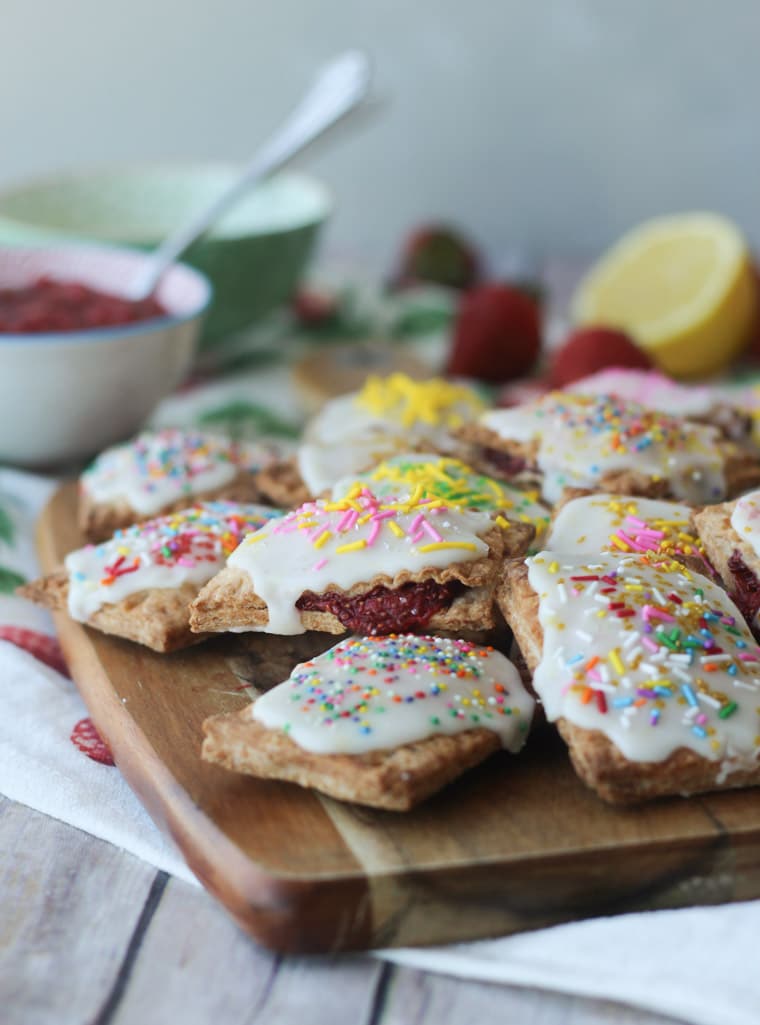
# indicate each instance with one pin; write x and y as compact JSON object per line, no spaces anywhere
{"x":338,"y":88}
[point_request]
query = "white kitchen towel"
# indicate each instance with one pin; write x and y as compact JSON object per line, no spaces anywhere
{"x":699,"y":965}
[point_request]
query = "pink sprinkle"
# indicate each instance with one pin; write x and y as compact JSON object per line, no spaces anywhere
{"x":648,"y":532}
{"x":650,"y":644}
{"x":416,"y":538}
{"x":319,"y":533}
{"x":747,"y":656}
{"x":319,"y":565}
{"x":594,"y":675}
{"x":701,"y":718}
{"x":374,"y":532}
{"x":386,"y":514}
{"x":431,"y":531}
{"x":650,"y":612}
{"x":416,"y":523}
{"x":635,"y":521}
{"x":184,"y":561}
{"x":347,"y":520}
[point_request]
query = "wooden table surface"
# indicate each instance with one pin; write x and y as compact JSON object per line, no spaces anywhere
{"x":90,"y":935}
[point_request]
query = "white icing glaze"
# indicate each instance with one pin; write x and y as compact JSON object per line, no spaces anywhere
{"x":320,"y":465}
{"x":423,"y":409}
{"x":376,"y":693}
{"x":581,"y":438}
{"x":745,"y":519}
{"x":333,"y":545}
{"x":354,"y":432}
{"x":158,"y":468}
{"x":590,"y":523}
{"x":450,"y":480}
{"x":184,"y":547}
{"x":606,"y":664}
{"x":654,"y":390}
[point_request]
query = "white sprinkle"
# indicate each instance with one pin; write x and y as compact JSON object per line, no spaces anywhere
{"x":604,"y":673}
{"x":681,"y":674}
{"x":691,"y":712}
{"x":658,"y":596}
{"x":635,"y":636}
{"x":602,"y":599}
{"x":647,"y":667}
{"x":708,"y":699}
{"x":584,"y":636}
{"x":562,"y":592}
{"x":686,"y":659}
{"x":592,"y":588}
{"x":716,"y":658}
{"x":744,"y":686}
{"x":608,"y":688}
{"x":634,"y":654}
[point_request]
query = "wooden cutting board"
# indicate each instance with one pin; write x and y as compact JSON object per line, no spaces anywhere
{"x":515,"y":844}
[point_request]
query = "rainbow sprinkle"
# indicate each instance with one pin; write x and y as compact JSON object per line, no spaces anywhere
{"x":363,"y":683}
{"x":669,"y":646}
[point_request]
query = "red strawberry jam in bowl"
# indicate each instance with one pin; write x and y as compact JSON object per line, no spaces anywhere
{"x":47,"y":304}
{"x":81,"y":365}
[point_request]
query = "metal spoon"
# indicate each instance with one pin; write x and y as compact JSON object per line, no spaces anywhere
{"x":338,"y":88}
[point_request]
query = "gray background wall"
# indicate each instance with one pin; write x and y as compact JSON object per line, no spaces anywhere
{"x":547,"y":124}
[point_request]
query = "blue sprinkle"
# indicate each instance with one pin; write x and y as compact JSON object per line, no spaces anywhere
{"x":688,"y":693}
{"x":622,"y":702}
{"x":699,"y":732}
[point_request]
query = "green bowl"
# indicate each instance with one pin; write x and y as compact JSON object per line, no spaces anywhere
{"x":254,"y":256}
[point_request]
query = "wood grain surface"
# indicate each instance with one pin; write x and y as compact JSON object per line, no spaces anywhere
{"x":516,"y":844}
{"x":91,"y":935}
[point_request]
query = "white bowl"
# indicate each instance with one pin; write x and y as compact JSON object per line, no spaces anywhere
{"x":68,"y":394}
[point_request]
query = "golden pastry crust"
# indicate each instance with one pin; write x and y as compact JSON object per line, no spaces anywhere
{"x":733,"y":422}
{"x":392,"y":779}
{"x":713,"y":524}
{"x":741,"y":470}
{"x":741,"y":467}
{"x":597,"y":761}
{"x":229,"y":600}
{"x":157,"y":618}
{"x":282,"y":484}
{"x":98,"y":521}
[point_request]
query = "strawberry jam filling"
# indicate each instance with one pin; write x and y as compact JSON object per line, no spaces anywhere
{"x":50,"y":305}
{"x":384,"y":610}
{"x":504,"y":464}
{"x":746,"y":589}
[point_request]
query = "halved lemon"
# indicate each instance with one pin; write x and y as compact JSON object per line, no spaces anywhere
{"x":681,"y":286}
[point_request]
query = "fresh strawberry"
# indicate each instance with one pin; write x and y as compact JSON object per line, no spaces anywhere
{"x":439,"y":255}
{"x":497,"y":335}
{"x":86,"y":738}
{"x":44,"y":647}
{"x":313,"y":308}
{"x":590,"y":349}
